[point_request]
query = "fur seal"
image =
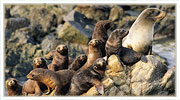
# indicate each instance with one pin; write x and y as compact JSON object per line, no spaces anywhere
{"x":114,"y":46}
{"x":33,"y":87}
{"x":39,"y":62}
{"x":60,"y":58}
{"x":78,"y":62}
{"x":140,"y":35}
{"x":94,"y":52}
{"x":53,"y":80}
{"x":13,"y":88}
{"x":50,"y":55}
{"x":100,"y":33}
{"x":85,"y":79}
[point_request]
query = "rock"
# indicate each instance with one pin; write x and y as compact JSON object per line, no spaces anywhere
{"x":80,"y":22}
{"x":116,"y":13}
{"x":94,"y":13}
{"x":13,"y":24}
{"x":107,"y":83}
{"x":146,"y":76}
{"x":168,"y":80}
{"x":114,"y":64}
{"x":150,"y":71}
{"x":49,"y":43}
{"x":91,"y":92}
{"x":113,"y":91}
{"x":125,"y":88}
{"x":166,"y":27}
{"x":72,"y":35}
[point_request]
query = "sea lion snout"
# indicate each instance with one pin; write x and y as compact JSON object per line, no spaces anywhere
{"x":155,"y":14}
{"x":61,"y":48}
{"x":12,"y":82}
{"x":160,"y":16}
{"x":38,"y":61}
{"x":93,"y":42}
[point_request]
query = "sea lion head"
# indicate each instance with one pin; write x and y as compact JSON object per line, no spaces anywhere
{"x":39,"y":61}
{"x":82,"y":58}
{"x":11,"y":82}
{"x":62,"y":49}
{"x":94,"y":43}
{"x":154,"y":14}
{"x":120,"y":33}
{"x":36,"y":74}
{"x":99,"y":64}
{"x":104,"y":24}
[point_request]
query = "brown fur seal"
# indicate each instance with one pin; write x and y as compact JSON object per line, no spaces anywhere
{"x":50,"y":55}
{"x":39,"y":62}
{"x":53,"y":80}
{"x":94,"y":52}
{"x":78,"y":62}
{"x":33,"y":87}
{"x":140,"y":35}
{"x":100,"y":33}
{"x":85,"y":79}
{"x":114,"y":46}
{"x":13,"y":88}
{"x":60,"y":58}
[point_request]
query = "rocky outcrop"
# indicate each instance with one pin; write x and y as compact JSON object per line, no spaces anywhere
{"x":141,"y":79}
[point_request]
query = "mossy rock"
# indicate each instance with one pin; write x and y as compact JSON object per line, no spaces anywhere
{"x":72,"y":35}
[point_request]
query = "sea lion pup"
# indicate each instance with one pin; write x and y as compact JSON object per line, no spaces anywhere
{"x":100,"y":33}
{"x":85,"y":79}
{"x":140,"y":35}
{"x":50,"y":55}
{"x":114,"y":46}
{"x":39,"y":62}
{"x":13,"y":88}
{"x":60,"y":58}
{"x":53,"y":80}
{"x":78,"y":62}
{"x":93,"y":53}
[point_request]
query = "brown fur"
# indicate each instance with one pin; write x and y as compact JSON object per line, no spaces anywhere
{"x":39,"y":62}
{"x":50,"y":55}
{"x":100,"y":33}
{"x":94,"y":53}
{"x":53,"y":80}
{"x":60,"y":58}
{"x":78,"y":62}
{"x":85,"y":79}
{"x":13,"y":88}
{"x":114,"y":46}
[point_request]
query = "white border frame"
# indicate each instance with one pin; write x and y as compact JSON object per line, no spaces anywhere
{"x":132,"y":2}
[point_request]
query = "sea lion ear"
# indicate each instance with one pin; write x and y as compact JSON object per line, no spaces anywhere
{"x":100,"y":88}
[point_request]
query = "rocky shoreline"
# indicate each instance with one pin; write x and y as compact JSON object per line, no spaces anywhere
{"x":34,"y":30}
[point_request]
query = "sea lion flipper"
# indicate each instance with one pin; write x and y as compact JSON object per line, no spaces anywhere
{"x":48,"y":91}
{"x":100,"y":88}
{"x":144,"y":59}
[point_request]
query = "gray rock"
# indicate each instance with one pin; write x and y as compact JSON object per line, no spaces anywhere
{"x":13,"y":24}
{"x":80,"y":22}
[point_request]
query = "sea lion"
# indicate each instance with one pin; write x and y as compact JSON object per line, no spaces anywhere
{"x":50,"y":55}
{"x":78,"y":62}
{"x":85,"y":79}
{"x":60,"y":58}
{"x":53,"y":80}
{"x":13,"y":88}
{"x":94,"y":53}
{"x":100,"y":33}
{"x":33,"y":87}
{"x":140,"y":35}
{"x":114,"y":46}
{"x":39,"y":62}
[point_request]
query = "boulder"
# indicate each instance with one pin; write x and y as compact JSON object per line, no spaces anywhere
{"x":12,"y":24}
{"x":116,"y":13}
{"x":76,"y":29}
